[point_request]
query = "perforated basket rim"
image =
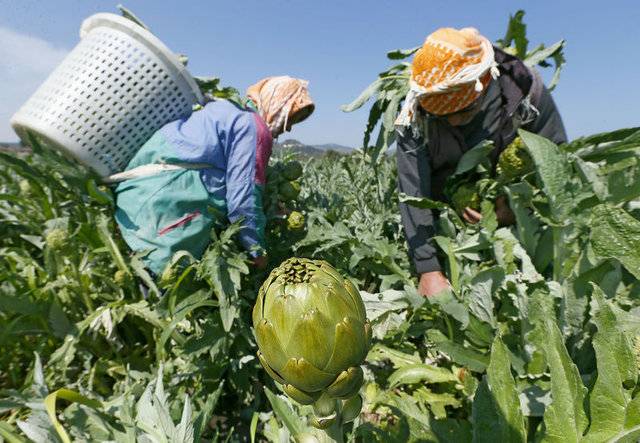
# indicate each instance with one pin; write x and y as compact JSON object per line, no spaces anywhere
{"x":136,"y":31}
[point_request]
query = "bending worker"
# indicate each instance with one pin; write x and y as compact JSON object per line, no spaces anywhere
{"x":462,"y":91}
{"x":206,"y":170}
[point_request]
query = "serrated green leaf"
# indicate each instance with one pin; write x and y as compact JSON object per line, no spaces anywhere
{"x":71,"y":396}
{"x":616,"y":234}
{"x":467,"y":357}
{"x":482,"y":288}
{"x":498,"y":416}
{"x":420,"y":373}
{"x":565,"y":419}
{"x":473,"y":157}
{"x":284,"y":412}
{"x":364,"y":97}
{"x":616,"y":378}
{"x":553,"y":171}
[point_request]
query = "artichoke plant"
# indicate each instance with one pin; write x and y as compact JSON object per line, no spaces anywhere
{"x":312,"y":333}
{"x":514,"y":161}
{"x":292,"y":170}
{"x":289,"y":190}
{"x":56,"y":239}
{"x":295,"y":221}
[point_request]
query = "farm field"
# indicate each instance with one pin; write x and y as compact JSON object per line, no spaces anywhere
{"x":537,"y":340}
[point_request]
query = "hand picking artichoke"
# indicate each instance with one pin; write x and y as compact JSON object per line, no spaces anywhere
{"x":312,"y":332}
{"x":465,"y":196}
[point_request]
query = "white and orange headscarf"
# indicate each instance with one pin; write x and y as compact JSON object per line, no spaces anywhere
{"x":278,"y":99}
{"x":449,"y":73}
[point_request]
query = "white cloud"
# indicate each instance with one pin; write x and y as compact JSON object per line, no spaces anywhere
{"x":26,"y":63}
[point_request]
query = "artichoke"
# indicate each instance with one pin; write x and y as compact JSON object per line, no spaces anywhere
{"x":289,"y":190}
{"x":465,"y":196}
{"x":514,"y":161}
{"x":295,"y":221}
{"x":56,"y":239}
{"x":122,"y":278}
{"x":292,"y":170}
{"x":312,"y":333}
{"x":25,"y":187}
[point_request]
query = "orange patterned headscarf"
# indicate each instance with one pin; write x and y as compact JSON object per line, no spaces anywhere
{"x":280,"y":100}
{"x":449,"y":73}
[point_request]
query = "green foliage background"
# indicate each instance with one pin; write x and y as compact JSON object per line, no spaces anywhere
{"x":536,"y":341}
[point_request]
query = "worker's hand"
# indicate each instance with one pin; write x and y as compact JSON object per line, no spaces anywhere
{"x":471,"y":215}
{"x":504,"y":213}
{"x":260,"y":262}
{"x":432,"y":283}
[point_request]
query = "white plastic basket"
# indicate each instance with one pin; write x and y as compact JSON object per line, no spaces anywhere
{"x":109,"y":95}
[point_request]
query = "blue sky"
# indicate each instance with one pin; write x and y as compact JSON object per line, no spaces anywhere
{"x":340,"y":47}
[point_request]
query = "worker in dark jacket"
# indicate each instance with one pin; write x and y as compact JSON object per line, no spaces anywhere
{"x":462,"y":91}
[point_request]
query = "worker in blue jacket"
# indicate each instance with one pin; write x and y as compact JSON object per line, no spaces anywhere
{"x":204,"y":170}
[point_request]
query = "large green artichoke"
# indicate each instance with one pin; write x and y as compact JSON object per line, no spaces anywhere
{"x":514,"y":161}
{"x":312,"y":332}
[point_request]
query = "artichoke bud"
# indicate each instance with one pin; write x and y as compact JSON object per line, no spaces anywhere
{"x":312,"y":332}
{"x":514,"y":161}
{"x":25,"y":187}
{"x":351,"y":408}
{"x":122,"y":278}
{"x":56,"y":239}
{"x":295,"y":221}
{"x":347,"y":384}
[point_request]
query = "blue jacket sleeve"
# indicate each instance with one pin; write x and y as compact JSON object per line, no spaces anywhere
{"x":244,"y":195}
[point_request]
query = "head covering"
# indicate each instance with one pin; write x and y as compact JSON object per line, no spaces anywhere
{"x":278,"y":99}
{"x":448,"y":73}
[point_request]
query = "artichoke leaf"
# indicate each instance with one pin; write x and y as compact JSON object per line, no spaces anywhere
{"x":347,"y":384}
{"x":351,"y":408}
{"x":356,"y":298}
{"x":270,"y":346}
{"x":312,"y":338}
{"x":350,"y":346}
{"x":323,"y":422}
{"x":272,"y":373}
{"x":304,"y":376}
{"x":304,"y":398}
{"x":284,"y":312}
{"x":329,"y":270}
{"x":325,"y":405}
